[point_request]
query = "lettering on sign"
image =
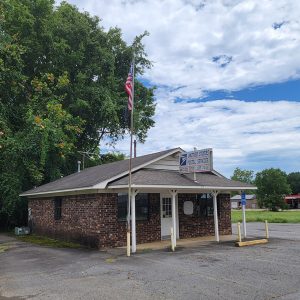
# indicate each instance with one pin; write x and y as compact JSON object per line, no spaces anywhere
{"x":196,"y":161}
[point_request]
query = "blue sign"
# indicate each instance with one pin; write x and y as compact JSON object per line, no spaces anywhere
{"x":243,"y":198}
{"x":183,"y":160}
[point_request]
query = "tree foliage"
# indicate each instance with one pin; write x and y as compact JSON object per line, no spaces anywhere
{"x":294,"y":181}
{"x":61,"y":93}
{"x":272,"y":187}
{"x":246,"y":176}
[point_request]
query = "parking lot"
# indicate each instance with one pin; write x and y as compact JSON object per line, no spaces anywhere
{"x":201,"y":271}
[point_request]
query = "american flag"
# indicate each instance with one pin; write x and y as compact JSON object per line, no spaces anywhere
{"x":129,"y":87}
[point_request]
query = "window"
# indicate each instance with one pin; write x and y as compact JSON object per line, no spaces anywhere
{"x":167,"y":207}
{"x":57,"y":208}
{"x":122,"y":207}
{"x":204,"y":205}
{"x":141,"y":206}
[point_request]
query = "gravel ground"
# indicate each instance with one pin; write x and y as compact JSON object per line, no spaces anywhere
{"x":204,"y":271}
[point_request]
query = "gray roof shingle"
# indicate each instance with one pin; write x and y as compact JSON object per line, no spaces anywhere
{"x":172,"y":178}
{"x":94,"y":175}
{"x":90,"y":177}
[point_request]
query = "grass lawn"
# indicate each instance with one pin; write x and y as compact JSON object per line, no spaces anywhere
{"x":261,"y":216}
{"x":44,"y":241}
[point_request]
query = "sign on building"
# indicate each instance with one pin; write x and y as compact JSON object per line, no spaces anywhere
{"x":188,"y":207}
{"x":196,"y":161}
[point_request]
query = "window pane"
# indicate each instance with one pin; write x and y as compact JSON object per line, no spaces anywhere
{"x":205,"y":204}
{"x":166,"y":207}
{"x":141,"y":206}
{"x":57,"y":208}
{"x":122,"y":207}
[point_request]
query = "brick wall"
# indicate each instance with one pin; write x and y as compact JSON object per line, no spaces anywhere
{"x":91,"y":219}
{"x":146,"y":230}
{"x":193,"y":225}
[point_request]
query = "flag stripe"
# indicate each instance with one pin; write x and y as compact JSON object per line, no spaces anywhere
{"x":129,"y":87}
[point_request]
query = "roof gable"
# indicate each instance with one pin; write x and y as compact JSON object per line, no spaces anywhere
{"x":170,"y":162}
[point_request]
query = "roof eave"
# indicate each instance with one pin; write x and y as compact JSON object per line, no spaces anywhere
{"x":183,"y":187}
{"x":58,"y":192}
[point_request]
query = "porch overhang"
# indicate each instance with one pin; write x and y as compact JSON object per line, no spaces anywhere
{"x":162,"y":180}
{"x":180,"y":189}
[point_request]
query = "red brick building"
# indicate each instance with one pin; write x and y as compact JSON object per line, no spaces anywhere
{"x":90,"y":207}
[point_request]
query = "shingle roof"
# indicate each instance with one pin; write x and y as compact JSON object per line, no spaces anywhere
{"x":91,"y":176}
{"x":172,"y":178}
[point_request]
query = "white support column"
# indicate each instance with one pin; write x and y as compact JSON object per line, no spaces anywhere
{"x":173,"y":194}
{"x":133,"y":221}
{"x":216,"y":221}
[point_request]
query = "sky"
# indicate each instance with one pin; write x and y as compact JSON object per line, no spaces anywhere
{"x":227,"y":74}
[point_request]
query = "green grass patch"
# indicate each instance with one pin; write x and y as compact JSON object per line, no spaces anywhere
{"x":45,"y":241}
{"x":146,"y":250}
{"x":3,"y":248}
{"x":270,"y":216}
{"x":110,"y":260}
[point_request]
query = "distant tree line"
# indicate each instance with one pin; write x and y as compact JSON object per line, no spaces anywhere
{"x":272,"y":185}
{"x":61,"y":93}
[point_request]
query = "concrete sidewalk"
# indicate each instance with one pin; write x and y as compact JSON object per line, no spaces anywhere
{"x":184,"y":243}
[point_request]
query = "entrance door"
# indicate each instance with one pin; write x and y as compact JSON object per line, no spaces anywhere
{"x":166,"y":216}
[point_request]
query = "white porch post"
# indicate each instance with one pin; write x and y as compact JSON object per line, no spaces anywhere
{"x":133,"y":222}
{"x":216,"y":221}
{"x":173,"y":194}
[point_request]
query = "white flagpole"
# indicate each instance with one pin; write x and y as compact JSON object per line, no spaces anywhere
{"x":130,"y":165}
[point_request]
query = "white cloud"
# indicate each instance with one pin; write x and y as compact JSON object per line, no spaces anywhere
{"x":241,"y":133}
{"x":207,"y":45}
{"x":187,"y":35}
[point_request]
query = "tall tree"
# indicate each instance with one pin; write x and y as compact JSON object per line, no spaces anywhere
{"x":97,"y":62}
{"x":61,"y":92}
{"x":294,"y":181}
{"x":11,"y":84}
{"x":272,"y":187}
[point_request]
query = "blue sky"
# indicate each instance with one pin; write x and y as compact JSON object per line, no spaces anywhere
{"x":288,"y":90}
{"x":227,"y":74}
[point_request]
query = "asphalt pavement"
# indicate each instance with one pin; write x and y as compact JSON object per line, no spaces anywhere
{"x":202,"y":271}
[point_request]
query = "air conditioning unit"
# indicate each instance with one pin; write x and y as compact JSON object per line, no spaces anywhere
{"x":22,"y":230}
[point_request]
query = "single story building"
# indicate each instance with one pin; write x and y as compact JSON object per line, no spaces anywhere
{"x":90,"y":207}
{"x":236,"y":201}
{"x":293,"y":201}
